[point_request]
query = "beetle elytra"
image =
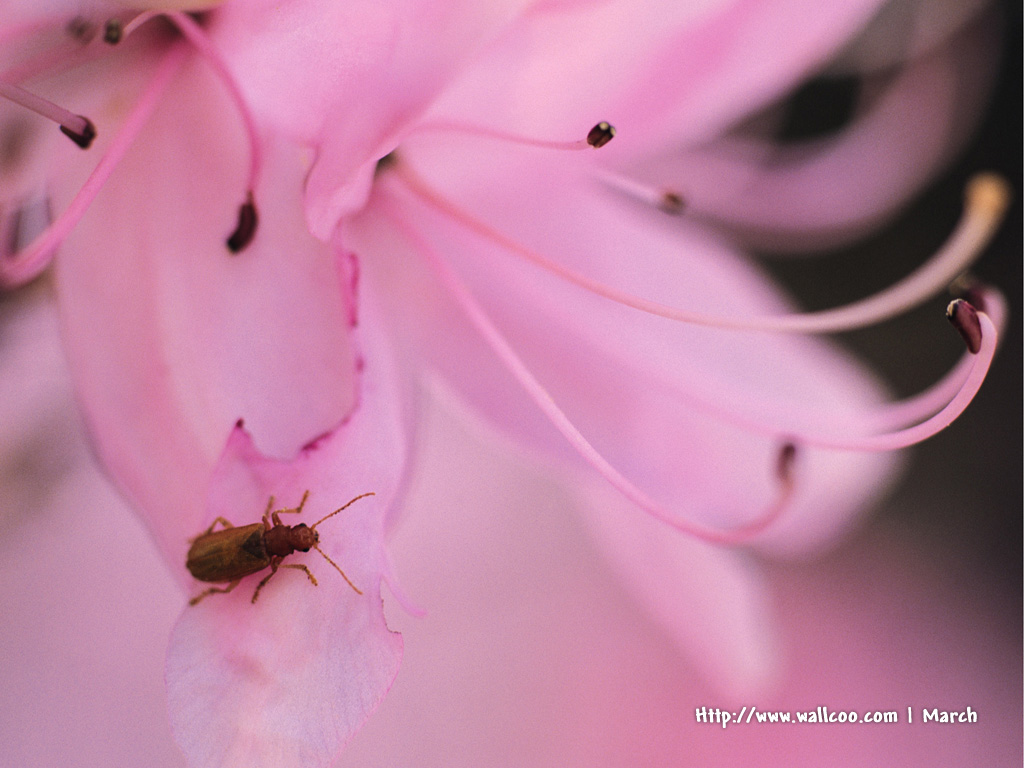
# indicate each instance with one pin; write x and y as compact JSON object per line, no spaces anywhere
{"x":233,"y":553}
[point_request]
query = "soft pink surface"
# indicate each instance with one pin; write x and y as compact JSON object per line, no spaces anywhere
{"x":818,"y":192}
{"x":346,"y":78}
{"x":532,"y":653}
{"x":662,"y":435}
{"x":660,"y":72}
{"x":171,"y":342}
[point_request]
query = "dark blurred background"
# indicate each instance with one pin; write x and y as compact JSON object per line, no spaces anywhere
{"x":963,"y":489}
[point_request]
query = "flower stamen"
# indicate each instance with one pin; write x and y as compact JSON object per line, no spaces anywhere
{"x":76,"y":127}
{"x":18,"y":269}
{"x":668,"y":201}
{"x":597,"y":137}
{"x":246,"y":229}
{"x":919,"y":407}
{"x":546,"y":404}
{"x":600,"y":135}
{"x":896,"y":425}
{"x":964,"y":318}
{"x":986,"y":336}
{"x":116,"y":31}
{"x":986,"y":199}
{"x":888,"y":427}
{"x":113,"y":31}
{"x":244,"y":232}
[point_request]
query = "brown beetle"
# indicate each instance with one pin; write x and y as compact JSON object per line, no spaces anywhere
{"x":234,"y":553}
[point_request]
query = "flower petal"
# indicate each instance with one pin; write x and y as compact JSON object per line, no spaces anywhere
{"x":817,"y":193}
{"x":84,"y":599}
{"x":533,"y":654}
{"x":348,"y":77}
{"x":172,"y":339}
{"x":713,"y":603}
{"x":710,"y":601}
{"x":38,"y":443}
{"x":660,"y":72}
{"x":287,"y":681}
{"x":647,"y":392}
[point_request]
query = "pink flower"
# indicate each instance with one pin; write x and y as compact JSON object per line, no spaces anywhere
{"x":376,"y":170}
{"x":530,"y":654}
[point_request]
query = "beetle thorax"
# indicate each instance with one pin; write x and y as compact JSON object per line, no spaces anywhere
{"x":282,"y":540}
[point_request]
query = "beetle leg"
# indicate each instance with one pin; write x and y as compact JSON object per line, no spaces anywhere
{"x":299,"y":567}
{"x":221,"y":520}
{"x":212,"y":590}
{"x":293,"y":511}
{"x":273,"y":569}
{"x":275,"y":563}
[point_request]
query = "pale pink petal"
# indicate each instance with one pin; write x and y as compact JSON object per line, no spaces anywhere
{"x":748,"y":56}
{"x":660,"y":72}
{"x":648,"y":393}
{"x":831,"y":189}
{"x":26,"y":14}
{"x":347,"y":78}
{"x":531,"y":652}
{"x":711,"y":601}
{"x":34,"y":150}
{"x":87,"y":607}
{"x":287,"y":681}
{"x":83,"y":592}
{"x":172,"y":338}
{"x":38,"y":439}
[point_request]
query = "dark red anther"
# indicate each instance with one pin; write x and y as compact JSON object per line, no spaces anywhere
{"x":600,"y":135}
{"x":83,"y":139}
{"x":964,"y":318}
{"x":246,"y":229}
{"x":787,"y":457}
{"x":113,"y":31}
{"x":81,"y":29}
{"x":671,"y":202}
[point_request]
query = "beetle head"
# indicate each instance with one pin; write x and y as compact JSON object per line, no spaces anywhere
{"x":304,"y":537}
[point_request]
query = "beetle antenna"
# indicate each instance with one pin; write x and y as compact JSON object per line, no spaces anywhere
{"x":324,"y":554}
{"x":357,"y":498}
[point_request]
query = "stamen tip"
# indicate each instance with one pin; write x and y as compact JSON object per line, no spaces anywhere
{"x":989,"y":193}
{"x":787,"y":457}
{"x":246,"y":229}
{"x":964,"y":318}
{"x":600,"y":134}
{"x":113,"y":31}
{"x":81,"y":29}
{"x":671,"y":202}
{"x":85,"y":137}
